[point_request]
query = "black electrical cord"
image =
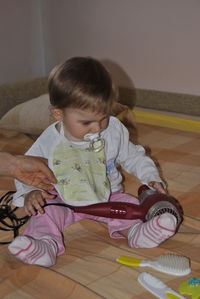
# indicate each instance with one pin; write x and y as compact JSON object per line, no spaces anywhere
{"x":8,"y":218}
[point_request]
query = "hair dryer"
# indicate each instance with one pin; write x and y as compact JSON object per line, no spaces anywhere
{"x":151,"y":204}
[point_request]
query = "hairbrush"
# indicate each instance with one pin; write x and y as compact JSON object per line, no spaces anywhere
{"x":168,"y":263}
{"x":157,"y":287}
{"x":151,"y":204}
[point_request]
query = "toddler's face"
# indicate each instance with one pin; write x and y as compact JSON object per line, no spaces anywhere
{"x":79,"y":122}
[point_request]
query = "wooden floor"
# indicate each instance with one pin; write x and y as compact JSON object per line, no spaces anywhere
{"x":88,"y":269}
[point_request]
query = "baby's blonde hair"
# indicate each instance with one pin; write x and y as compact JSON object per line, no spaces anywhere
{"x":83,"y":83}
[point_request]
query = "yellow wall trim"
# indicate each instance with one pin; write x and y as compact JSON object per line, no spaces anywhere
{"x":163,"y":120}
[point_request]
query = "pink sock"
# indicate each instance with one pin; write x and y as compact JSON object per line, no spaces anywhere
{"x":153,"y":232}
{"x":37,"y":252}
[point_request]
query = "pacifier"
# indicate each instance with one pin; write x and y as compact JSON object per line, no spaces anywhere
{"x":97,"y":143}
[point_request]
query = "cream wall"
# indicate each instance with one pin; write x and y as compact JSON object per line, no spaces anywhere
{"x":156,"y":43}
{"x":21,"y":44}
{"x":153,"y":44}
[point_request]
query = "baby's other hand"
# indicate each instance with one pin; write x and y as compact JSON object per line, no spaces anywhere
{"x":34,"y":201}
{"x":157,"y":186}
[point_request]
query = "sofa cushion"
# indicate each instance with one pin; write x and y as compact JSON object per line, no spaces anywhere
{"x":15,"y":93}
{"x":33,"y":117}
{"x":30,"y":117}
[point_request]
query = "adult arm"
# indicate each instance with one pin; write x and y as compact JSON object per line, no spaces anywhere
{"x":29,"y":170}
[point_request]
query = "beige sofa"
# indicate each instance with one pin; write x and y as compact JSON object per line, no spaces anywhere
{"x":19,"y":92}
{"x":24,"y":106}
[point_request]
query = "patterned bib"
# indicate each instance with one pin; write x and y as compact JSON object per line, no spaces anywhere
{"x":80,"y":173}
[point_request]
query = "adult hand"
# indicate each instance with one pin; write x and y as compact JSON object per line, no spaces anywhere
{"x":33,"y":171}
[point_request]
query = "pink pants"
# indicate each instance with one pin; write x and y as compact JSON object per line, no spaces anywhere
{"x":57,"y":218}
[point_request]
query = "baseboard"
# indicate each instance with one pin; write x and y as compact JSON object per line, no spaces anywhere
{"x":159,"y":100}
{"x":168,"y":121}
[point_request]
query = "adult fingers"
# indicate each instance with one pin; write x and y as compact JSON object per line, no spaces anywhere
{"x":47,"y":171}
{"x":45,"y":185}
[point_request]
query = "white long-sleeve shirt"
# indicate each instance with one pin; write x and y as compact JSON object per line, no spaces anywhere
{"x":118,"y":151}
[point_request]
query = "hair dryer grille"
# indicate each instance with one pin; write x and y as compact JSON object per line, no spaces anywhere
{"x":162,"y":207}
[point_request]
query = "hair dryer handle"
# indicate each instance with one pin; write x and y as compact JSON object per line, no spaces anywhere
{"x":117,"y":210}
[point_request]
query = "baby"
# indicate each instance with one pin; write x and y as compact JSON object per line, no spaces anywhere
{"x":84,"y":147}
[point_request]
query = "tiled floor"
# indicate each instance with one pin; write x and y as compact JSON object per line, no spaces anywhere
{"x":88,"y":269}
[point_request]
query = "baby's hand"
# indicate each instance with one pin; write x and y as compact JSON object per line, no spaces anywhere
{"x":34,"y":202}
{"x":158,"y":187}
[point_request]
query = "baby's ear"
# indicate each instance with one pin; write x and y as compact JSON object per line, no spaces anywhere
{"x":56,"y":113}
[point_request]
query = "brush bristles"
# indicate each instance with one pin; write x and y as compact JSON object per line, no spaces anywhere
{"x":174,"y":264}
